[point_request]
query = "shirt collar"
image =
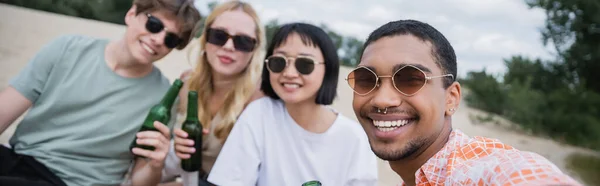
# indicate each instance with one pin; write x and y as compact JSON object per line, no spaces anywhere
{"x":435,"y":169}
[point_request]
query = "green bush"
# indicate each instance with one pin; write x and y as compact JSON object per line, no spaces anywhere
{"x":484,"y":92}
{"x":103,"y":10}
{"x":537,"y":97}
{"x":573,"y":116}
{"x":523,"y":105}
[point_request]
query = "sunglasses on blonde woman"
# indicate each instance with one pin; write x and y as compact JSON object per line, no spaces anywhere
{"x":240,"y":42}
{"x":408,"y":80}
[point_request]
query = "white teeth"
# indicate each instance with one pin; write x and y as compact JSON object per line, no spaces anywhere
{"x":147,"y":48}
{"x":291,"y":85}
{"x":389,"y":125}
{"x":387,"y":129}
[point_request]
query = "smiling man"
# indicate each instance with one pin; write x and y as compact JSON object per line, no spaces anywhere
{"x":87,"y":98}
{"x":405,"y":95}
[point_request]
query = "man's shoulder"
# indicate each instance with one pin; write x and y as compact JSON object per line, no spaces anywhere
{"x":493,"y":152}
{"x":479,"y":148}
{"x":162,"y":80}
{"x":77,"y":40}
{"x":488,"y":152}
{"x":503,"y":163}
{"x":72,"y":47}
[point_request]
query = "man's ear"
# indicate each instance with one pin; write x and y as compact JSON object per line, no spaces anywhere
{"x":130,"y":15}
{"x":452,"y":98}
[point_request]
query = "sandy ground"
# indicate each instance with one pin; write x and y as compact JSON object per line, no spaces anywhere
{"x":23,"y":32}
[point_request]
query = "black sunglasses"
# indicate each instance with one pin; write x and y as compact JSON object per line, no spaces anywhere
{"x":240,"y":42}
{"x":407,"y":80}
{"x":154,"y":25}
{"x":304,"y":65}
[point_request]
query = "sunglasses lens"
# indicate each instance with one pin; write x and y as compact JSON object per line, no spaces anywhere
{"x":409,"y":80}
{"x":276,"y":64}
{"x":171,"y":40}
{"x":244,"y":43}
{"x":362,"y":80}
{"x":217,"y":37}
{"x":154,"y":25}
{"x":304,"y":65}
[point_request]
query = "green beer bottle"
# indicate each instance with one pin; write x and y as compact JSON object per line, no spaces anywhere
{"x":312,"y":183}
{"x":194,"y":129}
{"x":159,"y":112}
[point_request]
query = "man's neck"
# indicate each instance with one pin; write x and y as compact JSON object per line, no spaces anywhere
{"x":119,"y":60}
{"x":407,"y":167}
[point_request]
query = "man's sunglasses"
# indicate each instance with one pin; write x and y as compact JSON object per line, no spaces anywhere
{"x":240,"y":42}
{"x":154,"y":25}
{"x":407,"y":80}
{"x":304,"y":65}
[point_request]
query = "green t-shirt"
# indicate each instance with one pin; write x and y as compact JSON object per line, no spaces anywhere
{"x":84,"y":116}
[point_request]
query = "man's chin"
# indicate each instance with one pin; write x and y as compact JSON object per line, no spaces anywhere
{"x":387,"y":154}
{"x":385,"y":150}
{"x":388,"y":151}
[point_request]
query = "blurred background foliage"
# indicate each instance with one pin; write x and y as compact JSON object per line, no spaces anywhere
{"x":559,"y":98}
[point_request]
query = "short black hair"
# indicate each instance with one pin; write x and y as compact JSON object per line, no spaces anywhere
{"x":311,"y":36}
{"x":441,"y":49}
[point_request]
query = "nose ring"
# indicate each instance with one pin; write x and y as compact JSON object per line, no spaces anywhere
{"x":384,"y":111}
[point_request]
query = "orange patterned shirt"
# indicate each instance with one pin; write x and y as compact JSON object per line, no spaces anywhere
{"x":483,"y":161}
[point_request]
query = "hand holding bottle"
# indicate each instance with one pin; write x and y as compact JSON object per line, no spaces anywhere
{"x":184,"y":146}
{"x":157,"y":139}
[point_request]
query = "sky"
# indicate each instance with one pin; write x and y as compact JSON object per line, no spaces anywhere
{"x":482,"y":32}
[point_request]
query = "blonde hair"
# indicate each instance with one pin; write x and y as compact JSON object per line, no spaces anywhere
{"x":243,"y":88}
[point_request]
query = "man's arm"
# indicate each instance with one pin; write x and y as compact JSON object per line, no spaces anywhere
{"x":28,"y":85}
{"x":12,"y":105}
{"x":143,"y":174}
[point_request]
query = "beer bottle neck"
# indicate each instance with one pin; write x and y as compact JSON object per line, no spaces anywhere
{"x":169,"y":98}
{"x":192,"y":108}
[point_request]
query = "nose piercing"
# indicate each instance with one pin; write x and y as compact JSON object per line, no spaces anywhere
{"x":382,"y":111}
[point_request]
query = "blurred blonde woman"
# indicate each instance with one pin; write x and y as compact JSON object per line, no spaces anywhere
{"x":226,"y":77}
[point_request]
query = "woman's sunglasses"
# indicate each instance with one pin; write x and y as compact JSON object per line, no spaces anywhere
{"x":304,"y":65}
{"x":407,"y":80}
{"x":240,"y":42}
{"x":154,"y":25}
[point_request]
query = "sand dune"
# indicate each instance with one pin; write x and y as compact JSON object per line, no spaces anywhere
{"x":23,"y":32}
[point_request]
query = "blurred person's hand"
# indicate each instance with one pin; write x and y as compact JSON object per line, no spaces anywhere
{"x":186,"y":74}
{"x":185,"y":147}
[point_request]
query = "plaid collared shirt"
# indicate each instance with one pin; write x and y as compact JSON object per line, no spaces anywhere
{"x":483,"y":161}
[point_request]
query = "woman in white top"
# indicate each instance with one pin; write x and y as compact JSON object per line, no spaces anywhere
{"x":291,"y":137}
{"x":226,"y":77}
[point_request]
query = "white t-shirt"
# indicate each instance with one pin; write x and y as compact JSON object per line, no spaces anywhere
{"x":267,"y":147}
